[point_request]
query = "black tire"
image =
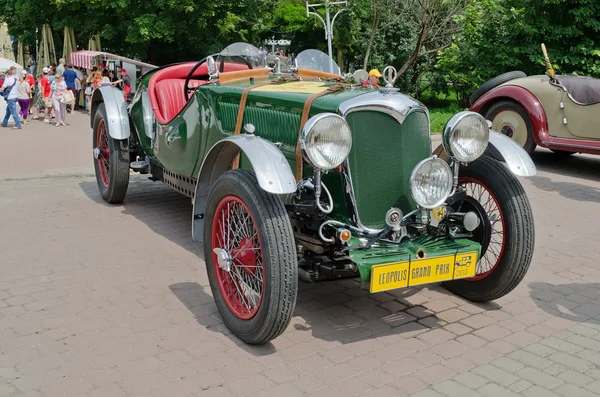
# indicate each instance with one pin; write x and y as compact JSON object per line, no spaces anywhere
{"x":517,"y":232}
{"x":508,"y":105}
{"x":562,"y":153}
{"x":495,"y":82}
{"x":279,"y":270}
{"x":114,"y":180}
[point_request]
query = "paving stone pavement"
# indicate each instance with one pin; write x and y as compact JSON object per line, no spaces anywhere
{"x":99,"y":300}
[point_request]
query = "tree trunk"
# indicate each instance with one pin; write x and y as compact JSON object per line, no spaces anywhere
{"x":152,"y":52}
{"x":371,"y":38}
{"x":340,"y":58}
{"x":416,"y":53}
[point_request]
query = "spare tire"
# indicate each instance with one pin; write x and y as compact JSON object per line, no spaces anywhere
{"x":495,"y":82}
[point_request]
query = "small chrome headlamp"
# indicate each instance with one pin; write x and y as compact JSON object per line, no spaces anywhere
{"x":431,"y":183}
{"x":326,"y":141}
{"x":466,"y":136}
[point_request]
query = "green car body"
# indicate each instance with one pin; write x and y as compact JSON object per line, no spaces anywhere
{"x":357,"y":236}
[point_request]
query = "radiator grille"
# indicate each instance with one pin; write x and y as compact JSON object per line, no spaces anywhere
{"x":384,"y":154}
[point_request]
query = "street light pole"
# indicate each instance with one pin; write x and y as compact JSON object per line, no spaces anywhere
{"x":327,"y":23}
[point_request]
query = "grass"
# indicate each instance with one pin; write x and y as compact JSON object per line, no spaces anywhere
{"x":440,"y":116}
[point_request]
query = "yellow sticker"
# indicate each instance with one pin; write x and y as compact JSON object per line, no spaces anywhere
{"x":389,"y":276}
{"x":426,"y":271}
{"x":301,"y":87}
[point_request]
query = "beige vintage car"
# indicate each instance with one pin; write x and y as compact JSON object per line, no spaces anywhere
{"x":561,"y":113}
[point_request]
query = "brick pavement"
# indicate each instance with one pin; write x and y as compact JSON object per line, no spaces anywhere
{"x":99,"y":300}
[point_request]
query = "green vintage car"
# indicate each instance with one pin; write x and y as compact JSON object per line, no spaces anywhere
{"x":309,"y":175}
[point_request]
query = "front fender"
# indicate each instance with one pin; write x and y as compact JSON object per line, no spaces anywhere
{"x":272,"y":171}
{"x":116,"y":111}
{"x":503,"y":149}
{"x":525,"y":98}
{"x":515,"y":157}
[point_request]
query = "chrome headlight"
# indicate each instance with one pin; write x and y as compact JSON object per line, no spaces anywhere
{"x":431,"y":182}
{"x":326,"y":141}
{"x":466,"y":136}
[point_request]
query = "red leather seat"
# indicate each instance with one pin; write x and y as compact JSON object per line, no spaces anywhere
{"x":169,"y":94}
{"x":166,"y":87}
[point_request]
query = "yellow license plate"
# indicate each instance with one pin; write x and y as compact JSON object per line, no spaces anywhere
{"x":423,"y":271}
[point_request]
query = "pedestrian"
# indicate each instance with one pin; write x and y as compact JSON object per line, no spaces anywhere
{"x":24,"y":96}
{"x":70,"y":76}
{"x":60,"y":69}
{"x":373,"y":80}
{"x":31,"y":82}
{"x":9,"y":92}
{"x":89,"y":90}
{"x":126,"y":82}
{"x":96,"y":79}
{"x":46,"y":90}
{"x":32,"y":68}
{"x":58,"y":92}
{"x":38,"y":97}
{"x":79,"y":97}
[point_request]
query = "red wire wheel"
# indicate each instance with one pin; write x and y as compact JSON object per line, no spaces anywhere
{"x":238,"y":257}
{"x":506,"y":230}
{"x":250,"y":256}
{"x":103,"y":159}
{"x":111,"y":159}
{"x":491,"y":232}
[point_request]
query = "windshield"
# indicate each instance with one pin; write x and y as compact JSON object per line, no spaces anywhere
{"x":241,"y":53}
{"x":317,"y":60}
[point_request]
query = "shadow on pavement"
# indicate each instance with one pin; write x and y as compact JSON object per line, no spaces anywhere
{"x":577,"y":165}
{"x":570,"y":190}
{"x":336,"y":311}
{"x":576,"y":302}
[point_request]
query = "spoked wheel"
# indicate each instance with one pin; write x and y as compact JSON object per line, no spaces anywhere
{"x":250,"y":257}
{"x":238,"y":257}
{"x":111,"y":160}
{"x":506,"y":231}
{"x":509,"y":118}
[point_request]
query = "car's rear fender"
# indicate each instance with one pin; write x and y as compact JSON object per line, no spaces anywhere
{"x":503,"y":149}
{"x":116,"y":111}
{"x":272,"y":170}
{"x":524,"y":97}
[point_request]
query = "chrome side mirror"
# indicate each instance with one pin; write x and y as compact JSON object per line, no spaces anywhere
{"x":213,"y":72}
{"x":360,"y":76}
{"x":277,"y":65}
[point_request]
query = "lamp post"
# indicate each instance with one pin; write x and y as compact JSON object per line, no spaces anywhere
{"x":327,"y":22}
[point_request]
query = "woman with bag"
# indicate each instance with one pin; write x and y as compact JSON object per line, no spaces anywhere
{"x":60,"y":97}
{"x":23,"y":97}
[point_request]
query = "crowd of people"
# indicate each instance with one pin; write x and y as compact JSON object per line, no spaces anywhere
{"x":55,"y":92}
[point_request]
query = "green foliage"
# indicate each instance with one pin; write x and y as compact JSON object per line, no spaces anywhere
{"x":440,"y":116}
{"x":503,"y":35}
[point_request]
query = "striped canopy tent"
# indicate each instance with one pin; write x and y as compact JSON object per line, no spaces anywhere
{"x":6,"y":50}
{"x":69,"y":43}
{"x":47,"y":52}
{"x":87,"y":59}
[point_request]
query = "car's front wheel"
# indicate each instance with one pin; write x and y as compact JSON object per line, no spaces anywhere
{"x":111,"y":160}
{"x":509,"y":118}
{"x":250,"y":257}
{"x":506,"y":231}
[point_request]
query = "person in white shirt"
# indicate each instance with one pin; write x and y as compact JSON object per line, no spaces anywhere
{"x":11,"y":83}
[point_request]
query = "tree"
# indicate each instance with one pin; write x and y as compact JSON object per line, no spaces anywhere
{"x":504,"y":35}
